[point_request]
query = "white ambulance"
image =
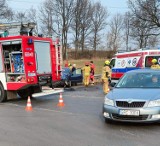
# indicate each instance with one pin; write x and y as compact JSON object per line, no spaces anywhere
{"x":126,"y":61}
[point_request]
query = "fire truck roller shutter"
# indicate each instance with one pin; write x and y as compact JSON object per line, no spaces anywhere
{"x":3,"y":93}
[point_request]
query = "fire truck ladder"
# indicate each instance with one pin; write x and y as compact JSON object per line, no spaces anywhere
{"x":59,"y":59}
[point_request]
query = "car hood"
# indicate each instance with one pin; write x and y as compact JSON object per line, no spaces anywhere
{"x":137,"y":94}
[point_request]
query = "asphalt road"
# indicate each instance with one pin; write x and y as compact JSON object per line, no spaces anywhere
{"x":78,"y":123}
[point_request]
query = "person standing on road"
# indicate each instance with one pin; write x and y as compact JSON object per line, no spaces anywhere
{"x":106,"y":75}
{"x":86,"y":73}
{"x":92,"y":72}
{"x":73,"y":67}
{"x":155,"y":64}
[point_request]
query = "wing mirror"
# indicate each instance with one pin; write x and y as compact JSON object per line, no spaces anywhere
{"x":112,"y":84}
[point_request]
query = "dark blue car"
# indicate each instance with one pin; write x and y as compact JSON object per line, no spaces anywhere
{"x":71,"y":78}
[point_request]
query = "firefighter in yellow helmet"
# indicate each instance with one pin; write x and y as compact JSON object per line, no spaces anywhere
{"x":86,"y":73}
{"x":106,"y":75}
{"x":70,"y":66}
{"x":155,"y":64}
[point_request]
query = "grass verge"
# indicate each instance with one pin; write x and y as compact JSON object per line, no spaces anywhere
{"x":98,"y":64}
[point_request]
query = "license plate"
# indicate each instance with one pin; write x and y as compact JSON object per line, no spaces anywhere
{"x":129,"y":112}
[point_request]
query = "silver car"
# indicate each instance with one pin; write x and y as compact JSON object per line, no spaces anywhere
{"x":135,"y":98}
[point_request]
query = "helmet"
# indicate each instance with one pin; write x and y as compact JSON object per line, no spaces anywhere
{"x":154,"y":60}
{"x":69,"y":64}
{"x":107,"y":62}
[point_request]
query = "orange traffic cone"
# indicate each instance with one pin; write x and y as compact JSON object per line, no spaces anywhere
{"x":29,"y":105}
{"x":60,"y":103}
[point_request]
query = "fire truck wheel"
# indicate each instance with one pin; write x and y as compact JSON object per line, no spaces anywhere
{"x":3,"y":94}
{"x":24,"y":93}
{"x":52,"y":85}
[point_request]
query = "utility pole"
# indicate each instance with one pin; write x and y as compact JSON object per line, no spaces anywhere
{"x":127,"y":31}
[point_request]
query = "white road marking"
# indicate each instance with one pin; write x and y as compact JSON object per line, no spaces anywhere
{"x":43,"y":109}
{"x":126,"y":132}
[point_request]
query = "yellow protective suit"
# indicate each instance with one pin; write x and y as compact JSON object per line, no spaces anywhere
{"x":106,"y":69}
{"x":155,"y":66}
{"x":86,"y":75}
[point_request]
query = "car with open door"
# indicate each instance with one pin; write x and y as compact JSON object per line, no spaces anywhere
{"x":71,"y":78}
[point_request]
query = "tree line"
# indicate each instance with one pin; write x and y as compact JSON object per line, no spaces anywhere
{"x":86,"y":25}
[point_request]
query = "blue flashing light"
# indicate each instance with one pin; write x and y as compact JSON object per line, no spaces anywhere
{"x":30,"y":41}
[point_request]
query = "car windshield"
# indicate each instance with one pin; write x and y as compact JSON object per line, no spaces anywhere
{"x":139,"y":80}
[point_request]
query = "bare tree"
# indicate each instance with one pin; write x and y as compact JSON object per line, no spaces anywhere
{"x":145,"y":21}
{"x":32,"y":17}
{"x":47,"y":17}
{"x":140,"y":32}
{"x":99,"y":18}
{"x":153,"y":41}
{"x":146,"y":10}
{"x":76,"y":24}
{"x":20,"y":17}
{"x":81,"y":24}
{"x":64,"y":12}
{"x":6,"y":13}
{"x":85,"y":22}
{"x":114,"y":34}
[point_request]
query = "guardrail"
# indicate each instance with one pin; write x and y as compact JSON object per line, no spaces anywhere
{"x":97,"y":78}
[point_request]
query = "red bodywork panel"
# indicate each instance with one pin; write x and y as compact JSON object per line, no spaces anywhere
{"x":15,"y":86}
{"x":116,"y":75}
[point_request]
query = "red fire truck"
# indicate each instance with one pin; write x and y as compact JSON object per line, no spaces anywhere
{"x":27,"y":63}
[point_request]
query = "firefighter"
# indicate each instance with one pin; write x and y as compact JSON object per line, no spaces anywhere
{"x":70,"y":66}
{"x":155,"y":64}
{"x":92,"y":72}
{"x":86,"y":73}
{"x":73,"y":67}
{"x":106,"y":75}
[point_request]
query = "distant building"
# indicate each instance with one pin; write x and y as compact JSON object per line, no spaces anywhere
{"x":13,"y":29}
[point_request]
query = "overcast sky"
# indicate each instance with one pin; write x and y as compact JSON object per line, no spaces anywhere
{"x":114,"y":6}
